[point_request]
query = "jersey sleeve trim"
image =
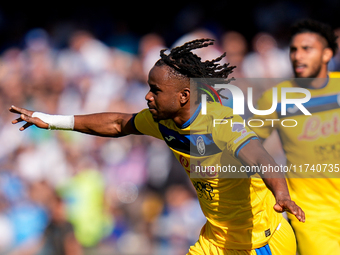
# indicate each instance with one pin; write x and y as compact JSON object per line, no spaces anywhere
{"x":244,"y":144}
{"x":133,"y":122}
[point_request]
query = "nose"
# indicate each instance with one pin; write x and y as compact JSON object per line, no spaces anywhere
{"x":297,"y":55}
{"x":149,"y":97}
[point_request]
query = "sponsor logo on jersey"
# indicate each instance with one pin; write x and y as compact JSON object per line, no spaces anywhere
{"x":200,"y":145}
{"x":239,"y":127}
{"x":314,"y":128}
{"x":191,"y":168}
{"x":169,"y":138}
{"x":204,"y":190}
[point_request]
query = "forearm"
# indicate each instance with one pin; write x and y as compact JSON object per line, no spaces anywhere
{"x":256,"y":155}
{"x":253,"y":154}
{"x":275,"y":181}
{"x":101,"y":124}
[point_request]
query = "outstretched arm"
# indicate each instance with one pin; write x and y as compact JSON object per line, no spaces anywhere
{"x":99,"y":124}
{"x":253,"y":154}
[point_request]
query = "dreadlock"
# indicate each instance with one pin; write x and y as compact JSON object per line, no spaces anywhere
{"x":186,"y":63}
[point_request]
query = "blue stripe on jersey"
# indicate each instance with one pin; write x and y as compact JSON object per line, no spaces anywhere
{"x":318,"y":101}
{"x":244,"y":144}
{"x":207,"y":138}
{"x":265,"y":250}
{"x":315,"y":104}
{"x":192,"y":118}
{"x":324,"y":85}
{"x":187,"y":143}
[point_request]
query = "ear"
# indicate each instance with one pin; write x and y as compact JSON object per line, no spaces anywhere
{"x":184,"y":95}
{"x":327,"y":55}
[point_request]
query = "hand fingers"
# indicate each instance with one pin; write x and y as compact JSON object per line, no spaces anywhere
{"x":19,"y":110}
{"x":26,"y":115}
{"x":302,"y":215}
{"x":17,"y":120}
{"x":278,"y":208}
{"x":25,"y":126}
{"x":294,"y":209}
{"x":299,"y":214}
{"x":34,"y":120}
{"x":14,"y":109}
{"x":29,"y":121}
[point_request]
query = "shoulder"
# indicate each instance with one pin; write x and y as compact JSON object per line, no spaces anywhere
{"x":217,"y":110}
{"x":144,"y":115}
{"x":334,"y":74}
{"x":267,"y":96}
{"x":145,"y":124}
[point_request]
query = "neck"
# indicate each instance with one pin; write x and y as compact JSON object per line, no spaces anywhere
{"x":185,"y":114}
{"x":316,"y":82}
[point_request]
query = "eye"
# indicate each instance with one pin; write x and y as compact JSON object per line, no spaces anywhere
{"x":154,"y":90}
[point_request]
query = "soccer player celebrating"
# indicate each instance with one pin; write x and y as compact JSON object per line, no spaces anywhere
{"x":315,"y":140}
{"x":243,"y":214}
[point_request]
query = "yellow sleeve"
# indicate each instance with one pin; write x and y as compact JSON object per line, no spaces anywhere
{"x":233,"y":135}
{"x":334,"y":74}
{"x":145,"y":124}
{"x":263,"y":125}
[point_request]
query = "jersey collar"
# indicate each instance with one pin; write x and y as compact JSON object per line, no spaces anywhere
{"x":324,"y":85}
{"x":192,"y":118}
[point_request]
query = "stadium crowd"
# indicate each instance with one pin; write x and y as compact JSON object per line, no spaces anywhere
{"x":98,"y":195}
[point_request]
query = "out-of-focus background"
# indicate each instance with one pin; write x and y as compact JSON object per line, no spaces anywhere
{"x":92,"y":195}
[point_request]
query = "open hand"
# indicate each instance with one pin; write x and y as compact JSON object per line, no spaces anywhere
{"x":26,"y":115}
{"x":290,"y":207}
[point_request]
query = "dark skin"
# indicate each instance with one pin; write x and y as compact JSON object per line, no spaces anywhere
{"x":169,"y":98}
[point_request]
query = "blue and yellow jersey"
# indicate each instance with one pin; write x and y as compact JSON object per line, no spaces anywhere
{"x":314,"y":143}
{"x":239,"y":211}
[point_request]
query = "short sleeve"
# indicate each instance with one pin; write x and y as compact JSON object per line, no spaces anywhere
{"x":145,"y":124}
{"x":233,"y":134}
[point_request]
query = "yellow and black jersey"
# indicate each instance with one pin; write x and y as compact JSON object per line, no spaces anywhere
{"x":239,"y":211}
{"x":312,"y":147}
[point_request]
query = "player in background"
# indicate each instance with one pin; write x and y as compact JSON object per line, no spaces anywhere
{"x":314,"y":140}
{"x":243,"y":214}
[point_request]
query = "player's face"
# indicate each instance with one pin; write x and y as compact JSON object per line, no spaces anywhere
{"x":163,"y":96}
{"x":307,"y":55}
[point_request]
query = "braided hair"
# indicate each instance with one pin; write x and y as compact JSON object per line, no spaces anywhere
{"x":187,"y":64}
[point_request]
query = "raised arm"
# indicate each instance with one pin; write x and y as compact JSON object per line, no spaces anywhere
{"x":99,"y":124}
{"x":253,"y":154}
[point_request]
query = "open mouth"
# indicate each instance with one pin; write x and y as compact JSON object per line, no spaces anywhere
{"x":299,"y":68}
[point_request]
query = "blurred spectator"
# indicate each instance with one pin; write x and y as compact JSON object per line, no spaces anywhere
{"x":93,"y":53}
{"x":180,"y":222}
{"x":59,"y":238}
{"x":235,"y":45}
{"x":267,"y":60}
{"x":149,"y":48}
{"x":43,"y":82}
{"x":84,"y":196}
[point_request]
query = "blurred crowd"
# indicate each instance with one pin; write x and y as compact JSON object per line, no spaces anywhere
{"x":63,"y":192}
